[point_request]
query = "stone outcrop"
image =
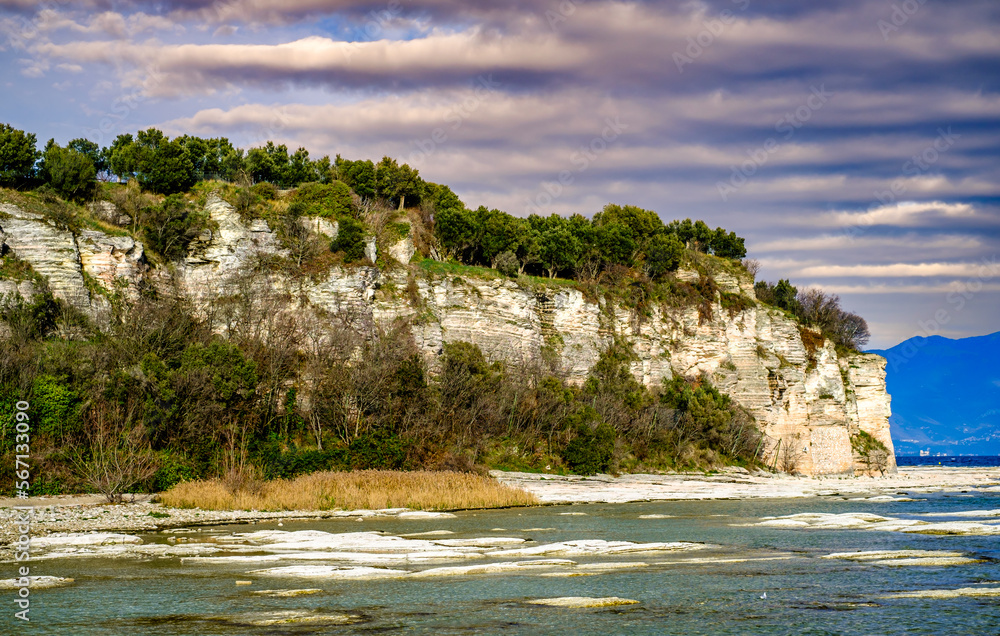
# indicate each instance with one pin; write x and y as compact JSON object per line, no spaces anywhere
{"x":51,"y":251}
{"x":117,"y":262}
{"x":222,"y":252}
{"x":809,"y":401}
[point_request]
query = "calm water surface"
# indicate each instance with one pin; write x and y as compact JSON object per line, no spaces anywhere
{"x":805,"y":594}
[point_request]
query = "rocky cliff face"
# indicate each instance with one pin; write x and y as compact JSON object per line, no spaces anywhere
{"x":809,"y":402}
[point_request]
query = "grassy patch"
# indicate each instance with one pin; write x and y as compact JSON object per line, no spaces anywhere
{"x":357,"y":490}
{"x":735,"y":303}
{"x":14,"y":268}
{"x":451,"y":269}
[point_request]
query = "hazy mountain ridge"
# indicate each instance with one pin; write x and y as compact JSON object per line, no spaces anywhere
{"x":945,"y":395}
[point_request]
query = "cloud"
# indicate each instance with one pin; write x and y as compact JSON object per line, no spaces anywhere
{"x":905,"y":213}
{"x":954,"y":286}
{"x":373,"y":77}
{"x":829,"y":242}
{"x":892,"y":270}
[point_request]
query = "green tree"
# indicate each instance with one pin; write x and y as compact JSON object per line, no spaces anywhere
{"x":17,"y":156}
{"x":455,"y":229}
{"x":695,"y":235}
{"x":123,"y":157}
{"x":642,"y":224}
{"x":168,"y":169}
{"x":727,"y":244}
{"x":300,"y":169}
{"x":498,"y":232}
{"x":359,"y":175}
{"x":559,"y":250}
{"x":398,"y":184}
{"x":615,"y":243}
{"x":260,"y":166}
{"x":441,"y":197}
{"x":782,"y":295}
{"x":93,"y":152}
{"x":70,"y":173}
{"x":663,"y":254}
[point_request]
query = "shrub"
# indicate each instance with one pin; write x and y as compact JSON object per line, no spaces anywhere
{"x":325,"y":199}
{"x":507,"y":264}
{"x":376,"y":450}
{"x":266,"y":190}
{"x":350,"y":240}
{"x":30,"y":319}
{"x":173,"y":467}
{"x":172,"y":226}
{"x":734,"y":303}
{"x":590,"y":452}
{"x":873,"y":454}
{"x":56,"y":405}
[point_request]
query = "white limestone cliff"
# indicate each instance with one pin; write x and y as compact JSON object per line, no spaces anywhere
{"x":810,"y":403}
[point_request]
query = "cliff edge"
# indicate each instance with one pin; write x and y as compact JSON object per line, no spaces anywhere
{"x":822,"y":412}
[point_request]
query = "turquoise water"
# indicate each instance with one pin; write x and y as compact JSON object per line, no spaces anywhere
{"x":805,"y":594}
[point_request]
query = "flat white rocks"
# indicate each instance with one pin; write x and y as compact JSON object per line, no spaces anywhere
{"x":83,"y":539}
{"x":330,"y":572}
{"x":496,"y":568}
{"x":595,"y":547}
{"x":583,"y":601}
{"x":962,"y":591}
{"x":904,"y":558}
{"x":287,"y":593}
{"x":867,"y":521}
{"x":36,"y":582}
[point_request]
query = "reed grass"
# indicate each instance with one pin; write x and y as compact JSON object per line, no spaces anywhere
{"x":357,"y":490}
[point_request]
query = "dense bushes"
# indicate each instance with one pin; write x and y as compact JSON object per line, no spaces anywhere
{"x":170,"y":227}
{"x":350,"y":240}
{"x":328,"y":200}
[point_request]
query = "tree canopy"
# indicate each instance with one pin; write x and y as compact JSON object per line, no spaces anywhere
{"x":17,"y":156}
{"x":618,"y":236}
{"x":70,"y":173}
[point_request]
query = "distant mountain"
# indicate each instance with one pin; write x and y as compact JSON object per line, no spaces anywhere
{"x":945,"y":395}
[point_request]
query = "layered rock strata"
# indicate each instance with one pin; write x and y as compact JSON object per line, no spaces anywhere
{"x":809,"y":401}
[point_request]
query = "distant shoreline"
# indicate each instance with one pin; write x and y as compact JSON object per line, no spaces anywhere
{"x":88,"y":513}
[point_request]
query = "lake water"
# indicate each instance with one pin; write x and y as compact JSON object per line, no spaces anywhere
{"x":960,"y":460}
{"x":715,"y":590}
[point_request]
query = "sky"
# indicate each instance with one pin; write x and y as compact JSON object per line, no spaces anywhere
{"x":854,"y":143}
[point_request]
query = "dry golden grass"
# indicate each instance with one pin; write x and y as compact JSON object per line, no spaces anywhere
{"x":358,"y":490}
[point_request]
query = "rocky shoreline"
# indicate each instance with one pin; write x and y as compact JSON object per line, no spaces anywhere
{"x":87,"y":513}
